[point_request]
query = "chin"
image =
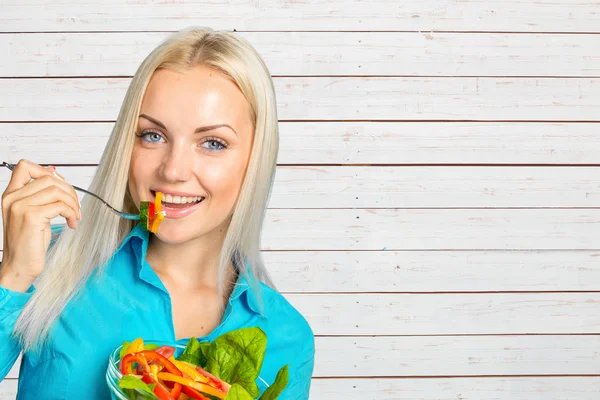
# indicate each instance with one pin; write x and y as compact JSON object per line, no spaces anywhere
{"x":173,"y":234}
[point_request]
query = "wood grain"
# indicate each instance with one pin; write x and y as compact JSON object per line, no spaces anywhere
{"x":527,"y":388}
{"x":453,"y":229}
{"x":431,"y":356}
{"x":435,"y":210}
{"x":450,"y":314}
{"x":432,"y":271}
{"x":319,"y":53}
{"x":283,"y":15}
{"x":348,"y":143}
{"x":414,"y":187}
{"x":334,"y":98}
{"x":534,"y":388}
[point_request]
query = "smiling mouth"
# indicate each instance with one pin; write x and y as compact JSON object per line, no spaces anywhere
{"x":178,"y":206}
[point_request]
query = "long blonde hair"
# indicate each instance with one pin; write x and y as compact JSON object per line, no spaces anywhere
{"x":78,"y":254}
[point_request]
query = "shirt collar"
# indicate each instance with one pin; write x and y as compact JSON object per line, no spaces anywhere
{"x":247,"y":284}
{"x":244,"y":287}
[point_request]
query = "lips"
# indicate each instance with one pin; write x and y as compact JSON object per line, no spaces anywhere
{"x":177,"y":211}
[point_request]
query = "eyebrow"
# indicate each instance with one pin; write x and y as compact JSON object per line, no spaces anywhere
{"x":198,"y":130}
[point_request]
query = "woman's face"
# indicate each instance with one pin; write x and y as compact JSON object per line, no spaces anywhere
{"x":193,"y":143}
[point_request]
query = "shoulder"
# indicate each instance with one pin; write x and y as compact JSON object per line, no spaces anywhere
{"x":286,"y":319}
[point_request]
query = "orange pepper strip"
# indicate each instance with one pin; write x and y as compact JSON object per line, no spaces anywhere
{"x":158,"y":215}
{"x":201,"y":387}
{"x":158,"y":203}
{"x":190,"y":371}
{"x":156,"y":222}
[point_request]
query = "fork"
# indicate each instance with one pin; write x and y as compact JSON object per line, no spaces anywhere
{"x":133,"y":217}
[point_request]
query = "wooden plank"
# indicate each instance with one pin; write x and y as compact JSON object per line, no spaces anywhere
{"x":435,"y":187}
{"x":348,"y":142}
{"x":451,"y":356}
{"x":397,"y":229}
{"x":456,"y":356}
{"x":449,"y":314}
{"x":319,"y":53}
{"x":535,"y":388}
{"x":432,"y":271}
{"x":8,"y":389}
{"x":268,"y":15}
{"x":454,"y":229}
{"x":334,"y":98}
{"x":413,"y":187}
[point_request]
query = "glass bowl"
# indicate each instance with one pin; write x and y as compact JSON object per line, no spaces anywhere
{"x":113,"y":374}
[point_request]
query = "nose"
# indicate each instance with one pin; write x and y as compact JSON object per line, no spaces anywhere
{"x":177,"y":164}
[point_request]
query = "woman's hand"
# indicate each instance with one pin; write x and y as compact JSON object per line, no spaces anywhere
{"x":33,"y":197}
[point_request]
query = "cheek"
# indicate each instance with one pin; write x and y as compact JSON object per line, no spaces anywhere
{"x":225,"y":182}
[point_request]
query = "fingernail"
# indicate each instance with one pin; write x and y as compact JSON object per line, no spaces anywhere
{"x":59,"y":176}
{"x":51,"y":167}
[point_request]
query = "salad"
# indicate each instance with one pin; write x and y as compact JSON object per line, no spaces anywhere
{"x":151,"y":213}
{"x":224,"y":369}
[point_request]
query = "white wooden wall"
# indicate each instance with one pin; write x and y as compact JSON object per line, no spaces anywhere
{"x":435,"y":214}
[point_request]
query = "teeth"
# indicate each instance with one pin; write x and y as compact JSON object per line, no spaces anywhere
{"x":167,"y":198}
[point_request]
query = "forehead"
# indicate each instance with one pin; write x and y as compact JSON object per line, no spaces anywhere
{"x":197,"y":95}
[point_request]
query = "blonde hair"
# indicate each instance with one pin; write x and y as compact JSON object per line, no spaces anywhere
{"x":78,"y":254}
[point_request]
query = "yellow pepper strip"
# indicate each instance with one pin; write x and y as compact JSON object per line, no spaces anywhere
{"x":201,"y":387}
{"x":154,"y":370}
{"x":136,"y":345}
{"x":190,"y":371}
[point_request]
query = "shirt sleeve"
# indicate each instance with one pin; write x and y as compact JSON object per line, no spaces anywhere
{"x":300,"y":375}
{"x":11,"y":305}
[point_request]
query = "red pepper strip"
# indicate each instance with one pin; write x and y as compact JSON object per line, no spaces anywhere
{"x":165,"y":351}
{"x":159,"y":390}
{"x":151,"y":355}
{"x":151,"y":216}
{"x":193,"y":394}
{"x":129,"y":359}
{"x":142,"y":358}
{"x":214,"y":381}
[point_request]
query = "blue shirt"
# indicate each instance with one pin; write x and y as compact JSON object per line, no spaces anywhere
{"x":127,"y":301}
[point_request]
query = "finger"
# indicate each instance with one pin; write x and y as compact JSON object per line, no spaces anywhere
{"x":48,"y":195}
{"x":52,"y":194}
{"x":43,"y":183}
{"x":49,"y":211}
{"x":24,"y":172}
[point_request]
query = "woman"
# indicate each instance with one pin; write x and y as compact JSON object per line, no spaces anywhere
{"x":198,"y":123}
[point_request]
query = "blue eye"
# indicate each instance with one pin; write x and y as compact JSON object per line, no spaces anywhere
{"x":151,"y":137}
{"x":214,"y":145}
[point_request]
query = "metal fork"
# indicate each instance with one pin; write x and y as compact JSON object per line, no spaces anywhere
{"x":133,"y":217}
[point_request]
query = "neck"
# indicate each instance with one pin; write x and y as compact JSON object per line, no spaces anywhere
{"x":193,"y":264}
